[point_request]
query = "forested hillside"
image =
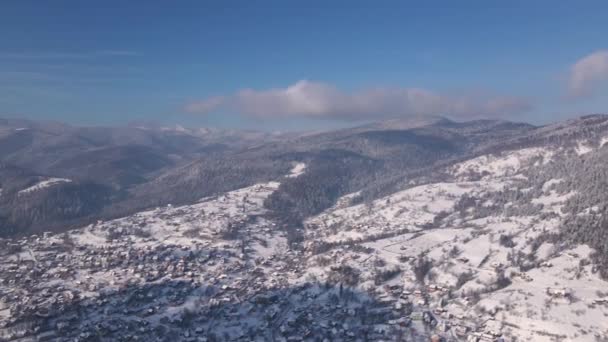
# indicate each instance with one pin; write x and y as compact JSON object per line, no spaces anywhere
{"x":112,"y":172}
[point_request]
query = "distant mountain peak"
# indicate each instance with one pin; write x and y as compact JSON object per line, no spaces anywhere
{"x":408,"y":122}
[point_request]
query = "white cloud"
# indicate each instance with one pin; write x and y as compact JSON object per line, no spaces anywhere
{"x":587,"y":73}
{"x":320,"y":100}
{"x":207,"y":105}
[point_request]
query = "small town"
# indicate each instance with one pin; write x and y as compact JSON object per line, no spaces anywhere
{"x":137,"y":279}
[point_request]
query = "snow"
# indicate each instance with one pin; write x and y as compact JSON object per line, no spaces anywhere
{"x":505,"y":164}
{"x":408,"y":209}
{"x":195,"y":224}
{"x":297,"y":170}
{"x":410,"y":244}
{"x":394,"y":231}
{"x":465,"y":244}
{"x":582,"y":148}
{"x":552,"y":199}
{"x":5,"y":313}
{"x":553,"y":202}
{"x":44,"y":184}
{"x":550,"y":183}
{"x":535,"y":313}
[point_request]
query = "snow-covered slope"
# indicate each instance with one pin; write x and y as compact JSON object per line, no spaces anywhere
{"x":44,"y":184}
{"x":491,"y":271}
{"x":478,"y":249}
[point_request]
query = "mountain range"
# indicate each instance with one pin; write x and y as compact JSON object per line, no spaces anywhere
{"x":114,"y":171}
{"x":406,"y":229}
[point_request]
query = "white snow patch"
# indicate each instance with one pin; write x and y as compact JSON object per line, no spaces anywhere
{"x":550,"y":183}
{"x":505,"y":164}
{"x":44,"y":184}
{"x":583,"y":148}
{"x":297,"y":170}
{"x":552,"y":199}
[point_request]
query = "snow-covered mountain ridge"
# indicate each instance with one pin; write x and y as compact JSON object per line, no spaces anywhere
{"x":507,"y":244}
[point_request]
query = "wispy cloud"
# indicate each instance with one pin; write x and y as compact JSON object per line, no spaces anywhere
{"x":588,"y":73}
{"x":320,"y":100}
{"x":48,"y":68}
{"x":126,"y":53}
{"x":207,"y":105}
{"x":53,"y":55}
{"x":23,"y":75}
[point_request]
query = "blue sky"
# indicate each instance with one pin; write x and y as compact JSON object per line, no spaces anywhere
{"x":300,"y":65}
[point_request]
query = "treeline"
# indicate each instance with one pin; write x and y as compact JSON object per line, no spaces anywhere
{"x":52,"y":209}
{"x":329,"y":175}
{"x":69,"y":205}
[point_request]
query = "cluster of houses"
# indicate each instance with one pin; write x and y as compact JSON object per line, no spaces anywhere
{"x":117,"y":281}
{"x":120,"y":291}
